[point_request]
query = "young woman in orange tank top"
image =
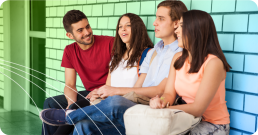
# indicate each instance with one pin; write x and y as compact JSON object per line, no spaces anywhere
{"x":198,"y":75}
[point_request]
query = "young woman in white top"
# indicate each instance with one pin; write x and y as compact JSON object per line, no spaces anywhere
{"x":130,"y":41}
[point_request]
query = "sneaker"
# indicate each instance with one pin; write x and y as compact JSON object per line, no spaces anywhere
{"x":54,"y":117}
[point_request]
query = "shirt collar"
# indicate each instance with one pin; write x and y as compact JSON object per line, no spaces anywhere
{"x":159,"y":46}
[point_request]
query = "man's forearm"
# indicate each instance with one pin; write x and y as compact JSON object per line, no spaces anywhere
{"x":145,"y":91}
{"x":70,"y":94}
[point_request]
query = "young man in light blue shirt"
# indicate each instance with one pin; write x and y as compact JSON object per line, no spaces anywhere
{"x":150,"y":83}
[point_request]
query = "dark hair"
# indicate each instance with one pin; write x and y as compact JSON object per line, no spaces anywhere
{"x":139,"y":40}
{"x":200,"y":38}
{"x":177,"y":8}
{"x":72,"y":16}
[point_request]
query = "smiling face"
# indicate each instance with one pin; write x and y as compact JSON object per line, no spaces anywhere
{"x":124,"y":29}
{"x":81,"y":32}
{"x":164,"y":27}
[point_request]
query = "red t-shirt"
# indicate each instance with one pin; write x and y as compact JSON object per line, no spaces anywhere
{"x":92,"y":64}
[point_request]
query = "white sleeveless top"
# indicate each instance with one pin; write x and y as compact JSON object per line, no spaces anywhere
{"x":124,"y":77}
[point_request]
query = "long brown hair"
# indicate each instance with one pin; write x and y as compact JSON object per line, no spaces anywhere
{"x":200,"y":38}
{"x":139,"y":40}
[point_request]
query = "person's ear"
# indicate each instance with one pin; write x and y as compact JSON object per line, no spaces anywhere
{"x":69,"y":35}
{"x":176,"y":24}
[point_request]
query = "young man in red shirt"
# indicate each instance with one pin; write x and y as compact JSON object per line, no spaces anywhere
{"x":89,"y":56}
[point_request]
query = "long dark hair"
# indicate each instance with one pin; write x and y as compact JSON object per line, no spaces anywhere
{"x":139,"y":40}
{"x":200,"y":39}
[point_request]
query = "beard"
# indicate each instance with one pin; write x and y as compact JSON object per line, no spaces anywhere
{"x":81,"y":40}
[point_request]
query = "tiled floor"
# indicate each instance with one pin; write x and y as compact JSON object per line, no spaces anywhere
{"x":19,"y":123}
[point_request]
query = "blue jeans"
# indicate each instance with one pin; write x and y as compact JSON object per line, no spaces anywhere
{"x":113,"y":107}
{"x":86,"y":127}
{"x":206,"y":128}
{"x":51,"y":103}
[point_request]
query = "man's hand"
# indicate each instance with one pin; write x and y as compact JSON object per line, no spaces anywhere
{"x":94,"y":92}
{"x":106,"y":91}
{"x":157,"y":103}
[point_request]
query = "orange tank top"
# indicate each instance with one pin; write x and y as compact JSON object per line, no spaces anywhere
{"x":186,"y":86}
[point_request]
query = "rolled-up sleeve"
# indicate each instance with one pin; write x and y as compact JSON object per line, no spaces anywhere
{"x":145,"y":64}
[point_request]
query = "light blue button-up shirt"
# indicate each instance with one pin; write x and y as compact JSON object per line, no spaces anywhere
{"x":160,"y":65}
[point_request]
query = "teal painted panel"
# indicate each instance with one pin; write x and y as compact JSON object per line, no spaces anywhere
{"x":101,"y":1}
{"x":236,"y":61}
{"x":235,"y":100}
{"x":120,"y":8}
{"x":133,"y":7}
{"x":87,"y":10}
{"x":151,"y":35}
{"x":223,"y":5}
{"x":217,"y":19}
{"x":251,"y":64}
{"x":245,"y":83}
{"x":204,"y":5}
{"x":238,"y":118}
{"x":102,"y":23}
{"x":53,"y":11}
{"x":93,"y":21}
{"x":151,"y":19}
{"x":112,"y":22}
{"x":250,"y":104}
{"x":246,"y":43}
{"x":60,"y":11}
{"x":235,"y":23}
{"x":108,"y":33}
{"x":144,"y":19}
{"x":253,"y":21}
{"x":246,"y":6}
{"x":228,"y":81}
{"x":97,"y":10}
{"x":234,"y":132}
{"x":81,"y":1}
{"x":148,"y":8}
{"x":226,"y":41}
{"x":187,"y":3}
{"x":108,"y":9}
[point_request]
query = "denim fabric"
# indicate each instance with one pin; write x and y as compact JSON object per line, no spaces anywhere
{"x":159,"y":68}
{"x":86,"y":127}
{"x":52,"y":103}
{"x":206,"y":128}
{"x":113,"y":108}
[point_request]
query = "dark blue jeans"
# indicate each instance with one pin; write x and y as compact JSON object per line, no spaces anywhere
{"x":51,"y":103}
{"x":107,"y":115}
